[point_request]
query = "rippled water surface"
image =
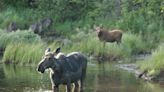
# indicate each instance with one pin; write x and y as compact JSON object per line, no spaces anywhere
{"x":100,"y":78}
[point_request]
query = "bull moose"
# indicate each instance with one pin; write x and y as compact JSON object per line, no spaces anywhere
{"x":66,"y":70}
{"x":109,"y":36}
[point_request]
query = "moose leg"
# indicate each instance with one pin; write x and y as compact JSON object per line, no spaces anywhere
{"x":104,"y":44}
{"x":82,"y":79}
{"x":68,"y":87}
{"x":55,"y":88}
{"x":103,"y":49}
{"x":81,"y":85}
{"x":76,"y":87}
{"x":118,"y":42}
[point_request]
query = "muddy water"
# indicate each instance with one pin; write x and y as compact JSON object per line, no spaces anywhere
{"x":100,"y":78}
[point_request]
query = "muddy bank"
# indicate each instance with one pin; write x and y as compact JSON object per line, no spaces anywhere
{"x":142,"y":74}
{"x":133,"y":69}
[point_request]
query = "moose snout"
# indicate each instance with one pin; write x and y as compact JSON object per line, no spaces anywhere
{"x":40,"y":69}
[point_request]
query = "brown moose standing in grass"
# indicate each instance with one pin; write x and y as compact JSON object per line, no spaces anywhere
{"x":109,"y":36}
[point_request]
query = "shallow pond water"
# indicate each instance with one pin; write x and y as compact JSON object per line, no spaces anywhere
{"x":100,"y":78}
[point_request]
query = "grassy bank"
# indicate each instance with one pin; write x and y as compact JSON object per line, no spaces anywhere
{"x":21,"y":47}
{"x":23,"y":53}
{"x":155,"y":64}
{"x":25,"y":47}
{"x":89,"y":44}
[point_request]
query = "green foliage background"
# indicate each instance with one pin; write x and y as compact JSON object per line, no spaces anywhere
{"x":139,"y":16}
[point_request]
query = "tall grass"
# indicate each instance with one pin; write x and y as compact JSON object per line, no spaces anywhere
{"x":134,"y":43}
{"x":91,"y":45}
{"x":155,"y":63}
{"x":22,"y":47}
{"x":23,"y":53}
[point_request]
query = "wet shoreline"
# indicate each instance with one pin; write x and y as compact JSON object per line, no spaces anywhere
{"x":132,"y":68}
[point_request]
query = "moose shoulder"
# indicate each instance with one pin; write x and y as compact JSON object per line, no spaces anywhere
{"x":65,"y":70}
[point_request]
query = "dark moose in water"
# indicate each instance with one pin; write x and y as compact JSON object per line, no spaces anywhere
{"x":66,"y":70}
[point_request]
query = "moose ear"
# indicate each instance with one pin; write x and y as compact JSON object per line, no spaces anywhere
{"x":47,"y":50}
{"x":57,"y":50}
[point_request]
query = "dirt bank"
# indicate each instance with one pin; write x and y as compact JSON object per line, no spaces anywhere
{"x":134,"y":69}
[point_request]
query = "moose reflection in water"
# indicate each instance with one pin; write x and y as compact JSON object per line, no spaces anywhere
{"x":66,"y":70}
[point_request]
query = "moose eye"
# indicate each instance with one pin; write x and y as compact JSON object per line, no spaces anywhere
{"x":49,"y":58}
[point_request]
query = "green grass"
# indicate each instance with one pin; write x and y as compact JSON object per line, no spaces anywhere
{"x":133,"y":43}
{"x":23,"y":47}
{"x":91,"y":45}
{"x":154,"y":64}
{"x":23,"y":53}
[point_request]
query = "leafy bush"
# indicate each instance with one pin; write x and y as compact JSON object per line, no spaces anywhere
{"x":18,"y":36}
{"x":23,"y":18}
{"x":139,"y":16}
{"x":133,"y":43}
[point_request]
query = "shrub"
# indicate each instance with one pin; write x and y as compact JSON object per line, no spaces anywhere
{"x":18,"y":36}
{"x":133,"y":43}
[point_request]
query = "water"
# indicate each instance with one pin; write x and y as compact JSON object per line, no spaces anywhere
{"x":100,"y":78}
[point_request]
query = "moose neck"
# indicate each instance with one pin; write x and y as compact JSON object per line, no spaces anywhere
{"x":53,"y":65}
{"x":56,"y":66}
